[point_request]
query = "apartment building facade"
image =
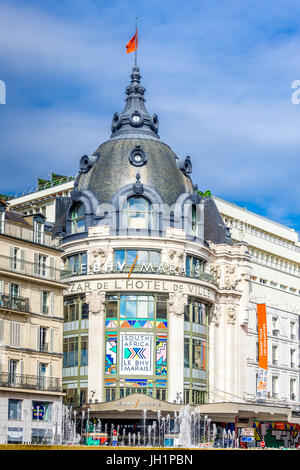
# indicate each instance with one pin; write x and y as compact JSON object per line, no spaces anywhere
{"x":31,"y":324}
{"x":274,"y":280}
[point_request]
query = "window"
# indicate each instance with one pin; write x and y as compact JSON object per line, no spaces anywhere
{"x":195,"y":221}
{"x":42,"y":370}
{"x":84,"y":351}
{"x":41,"y":411}
{"x":45,"y":302}
{"x":147,"y":260}
{"x":274,"y":355}
{"x":186,"y":352}
{"x":274,"y":387}
{"x":293,"y":364}
{"x":76,"y":264}
{"x":42,"y":261}
{"x":133,"y":306}
{"x":194,"y":266}
{"x":13,"y":365}
{"x":15,"y":409}
{"x":43,"y":344}
{"x":15,"y":258}
{"x":198,"y":354}
{"x":195,"y":312}
{"x":292,"y":330}
{"x":14,"y":435}
{"x":138,"y":211}
{"x":78,"y":218}
{"x":292,"y":389}
{"x":70,"y":352}
{"x":38,"y":235}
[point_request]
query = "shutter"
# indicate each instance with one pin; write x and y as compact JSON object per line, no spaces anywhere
{"x":11,"y":257}
{"x":17,"y":327}
{"x":22,"y":264}
{"x":11,"y":334}
{"x":52,"y":303}
{"x":41,"y":301}
{"x":1,"y":292}
{"x":51,"y":339}
{"x":36,"y":264}
{"x":38,"y":337}
{"x":51,"y":370}
{"x":52,"y":267}
{"x":22,"y":367}
{"x":1,"y":332}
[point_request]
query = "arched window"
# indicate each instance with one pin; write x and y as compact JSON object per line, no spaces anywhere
{"x":138,"y":211}
{"x":78,"y":218}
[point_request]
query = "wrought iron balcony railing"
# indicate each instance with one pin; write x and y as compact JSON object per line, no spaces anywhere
{"x":44,"y":347}
{"x":30,"y":382}
{"x":21,"y":266}
{"x":14,"y":303}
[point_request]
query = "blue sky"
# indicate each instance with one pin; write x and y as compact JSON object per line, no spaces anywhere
{"x":217,"y":73}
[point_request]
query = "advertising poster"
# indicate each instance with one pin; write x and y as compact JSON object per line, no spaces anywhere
{"x":136,"y":354}
{"x":261,"y":386}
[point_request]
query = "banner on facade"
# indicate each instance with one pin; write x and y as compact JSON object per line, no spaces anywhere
{"x":261,"y":386}
{"x":136,"y":354}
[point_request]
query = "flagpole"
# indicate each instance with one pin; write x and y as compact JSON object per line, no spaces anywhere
{"x":136,"y":42}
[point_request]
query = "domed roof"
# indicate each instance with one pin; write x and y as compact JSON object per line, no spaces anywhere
{"x":135,"y":131}
{"x":113,"y":170}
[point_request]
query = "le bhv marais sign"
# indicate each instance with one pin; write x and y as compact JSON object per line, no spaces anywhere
{"x":136,"y":284}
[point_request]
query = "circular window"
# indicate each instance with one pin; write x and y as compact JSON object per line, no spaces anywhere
{"x":136,"y":119}
{"x":137,"y":156}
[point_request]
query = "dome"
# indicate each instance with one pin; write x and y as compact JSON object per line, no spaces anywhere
{"x":135,"y":163}
{"x":113,"y":170}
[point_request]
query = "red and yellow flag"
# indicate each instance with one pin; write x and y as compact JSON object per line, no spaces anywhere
{"x":132,"y":45}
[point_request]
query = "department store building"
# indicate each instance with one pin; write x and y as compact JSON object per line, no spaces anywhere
{"x":180,"y":325}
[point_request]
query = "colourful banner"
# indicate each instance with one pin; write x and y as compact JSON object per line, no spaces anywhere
{"x":262,"y":336}
{"x":261,"y":386}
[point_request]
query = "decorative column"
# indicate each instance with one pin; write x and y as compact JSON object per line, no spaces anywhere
{"x":96,"y":370}
{"x":177,"y":302}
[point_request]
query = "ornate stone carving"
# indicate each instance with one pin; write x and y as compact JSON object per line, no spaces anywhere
{"x":225,"y":276}
{"x":230,"y":315}
{"x":215,"y":314}
{"x":96,"y":301}
{"x":216,"y":272}
{"x":171,"y":256}
{"x":230,"y":278}
{"x":96,"y":256}
{"x":177,"y":302}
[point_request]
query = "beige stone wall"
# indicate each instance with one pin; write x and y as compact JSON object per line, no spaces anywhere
{"x":20,"y":329}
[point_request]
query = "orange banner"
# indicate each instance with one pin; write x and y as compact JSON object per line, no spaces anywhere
{"x":262,"y":336}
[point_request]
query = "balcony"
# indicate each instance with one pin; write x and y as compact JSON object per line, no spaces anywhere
{"x":30,"y":382}
{"x":14,"y":303}
{"x":293,"y":337}
{"x":293,"y":396}
{"x":293,"y":364}
{"x":44,"y":347}
{"x":27,"y":268}
{"x":275,"y":396}
{"x":274,"y":362}
{"x":275,"y":332}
